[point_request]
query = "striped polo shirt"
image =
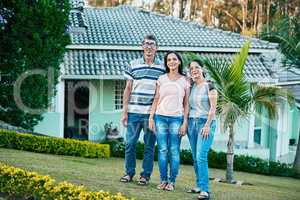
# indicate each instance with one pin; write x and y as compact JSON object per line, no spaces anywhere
{"x":143,"y":78}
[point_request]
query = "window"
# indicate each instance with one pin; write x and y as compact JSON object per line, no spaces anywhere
{"x":257,"y":136}
{"x":258,"y":128}
{"x":119,"y":89}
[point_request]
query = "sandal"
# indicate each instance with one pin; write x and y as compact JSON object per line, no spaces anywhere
{"x":170,"y":187}
{"x":126,"y":179}
{"x":143,"y":181}
{"x":162,"y":185}
{"x":203,"y":196}
{"x":194,"y":190}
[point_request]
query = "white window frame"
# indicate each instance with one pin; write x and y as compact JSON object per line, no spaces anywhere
{"x":118,"y":94}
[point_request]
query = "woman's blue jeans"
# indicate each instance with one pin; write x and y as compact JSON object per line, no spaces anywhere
{"x":168,"y":142}
{"x":200,"y":147}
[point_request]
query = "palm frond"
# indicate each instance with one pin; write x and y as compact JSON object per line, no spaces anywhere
{"x":269,"y":97}
{"x":233,"y":89}
{"x":215,"y":68}
{"x":298,"y":45}
{"x":238,"y":64}
{"x":286,"y":32}
{"x":231,"y":113}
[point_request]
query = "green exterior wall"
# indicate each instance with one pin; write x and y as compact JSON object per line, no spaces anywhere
{"x":102,"y":109}
{"x":50,"y":125}
{"x":265,"y":129}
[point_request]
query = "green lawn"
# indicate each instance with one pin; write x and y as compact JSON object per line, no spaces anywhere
{"x":104,"y":174}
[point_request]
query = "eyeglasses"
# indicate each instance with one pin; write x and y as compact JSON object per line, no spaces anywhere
{"x":149,"y":45}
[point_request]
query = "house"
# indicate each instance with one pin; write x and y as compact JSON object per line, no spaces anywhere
{"x":105,"y":40}
{"x":290,"y":79}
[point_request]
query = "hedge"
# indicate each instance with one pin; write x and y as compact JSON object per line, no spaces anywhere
{"x":16,"y":183}
{"x":218,"y":160}
{"x":51,"y":145}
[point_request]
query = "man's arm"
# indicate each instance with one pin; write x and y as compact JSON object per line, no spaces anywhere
{"x":126,"y":95}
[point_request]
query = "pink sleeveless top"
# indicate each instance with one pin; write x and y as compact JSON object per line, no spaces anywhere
{"x":171,"y":95}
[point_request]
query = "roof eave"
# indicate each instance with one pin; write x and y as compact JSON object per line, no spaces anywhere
{"x":92,"y":77}
{"x":164,"y":48}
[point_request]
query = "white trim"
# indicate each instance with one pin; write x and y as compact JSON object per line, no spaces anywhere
{"x":94,"y":77}
{"x":121,"y":77}
{"x":263,"y":81}
{"x":251,"y":130}
{"x":61,"y":106}
{"x":288,"y":83}
{"x":101,"y":101}
{"x":111,"y":112}
{"x":166,"y":48}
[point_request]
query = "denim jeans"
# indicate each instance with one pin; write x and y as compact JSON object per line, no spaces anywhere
{"x":200,"y":148}
{"x":168,"y":142}
{"x":137,"y":123}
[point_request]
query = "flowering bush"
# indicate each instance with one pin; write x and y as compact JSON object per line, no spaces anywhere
{"x":17,"y":183}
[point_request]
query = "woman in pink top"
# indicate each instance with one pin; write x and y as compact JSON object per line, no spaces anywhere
{"x":170,"y":106}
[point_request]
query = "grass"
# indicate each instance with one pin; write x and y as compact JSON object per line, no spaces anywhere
{"x":104,"y":174}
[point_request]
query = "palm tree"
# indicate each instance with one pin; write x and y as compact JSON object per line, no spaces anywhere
{"x":238,"y":97}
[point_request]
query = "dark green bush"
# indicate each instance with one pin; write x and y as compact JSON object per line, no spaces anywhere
{"x":59,"y":146}
{"x":218,"y":160}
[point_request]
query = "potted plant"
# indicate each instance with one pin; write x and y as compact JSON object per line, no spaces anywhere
{"x":112,"y":132}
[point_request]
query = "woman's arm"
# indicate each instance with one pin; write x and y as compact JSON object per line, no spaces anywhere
{"x":213,"y":98}
{"x":153,"y":107}
{"x":186,"y":109}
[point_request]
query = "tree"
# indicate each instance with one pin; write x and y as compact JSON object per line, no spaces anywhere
{"x":237,"y":97}
{"x":32,"y":37}
{"x":286,"y":31}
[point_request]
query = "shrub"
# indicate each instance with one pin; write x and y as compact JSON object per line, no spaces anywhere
{"x":59,"y":146}
{"x":20,"y":184}
{"x":218,"y":160}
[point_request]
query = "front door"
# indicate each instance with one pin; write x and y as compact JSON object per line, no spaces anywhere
{"x":76,"y":109}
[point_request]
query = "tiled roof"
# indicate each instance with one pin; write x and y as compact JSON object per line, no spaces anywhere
{"x":77,"y":20}
{"x":113,"y":62}
{"x":291,"y":74}
{"x":287,"y":79}
{"x":77,"y":4}
{"x":126,"y":26}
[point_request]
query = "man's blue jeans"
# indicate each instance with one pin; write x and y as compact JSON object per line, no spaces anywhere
{"x":137,"y":123}
{"x":168,"y":142}
{"x":200,"y":147}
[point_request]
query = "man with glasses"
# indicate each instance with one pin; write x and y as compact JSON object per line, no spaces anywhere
{"x":141,"y":76}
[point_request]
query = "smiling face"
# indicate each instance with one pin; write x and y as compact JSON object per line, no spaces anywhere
{"x":150,"y":48}
{"x":173,"y":62}
{"x":196,"y":71}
